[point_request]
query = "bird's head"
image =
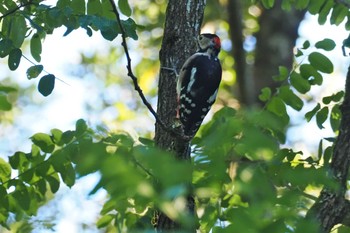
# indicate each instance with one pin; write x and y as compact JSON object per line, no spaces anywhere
{"x":209,"y":43}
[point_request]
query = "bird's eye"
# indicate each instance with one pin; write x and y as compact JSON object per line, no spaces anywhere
{"x":200,"y":37}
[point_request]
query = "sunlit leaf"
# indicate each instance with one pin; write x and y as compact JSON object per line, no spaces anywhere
{"x":5,"y":170}
{"x":5,"y":105}
{"x":43,"y":141}
{"x":105,"y":220}
{"x":56,"y":136}
{"x":265,"y":94}
{"x":335,"y":118}
{"x":283,"y":74}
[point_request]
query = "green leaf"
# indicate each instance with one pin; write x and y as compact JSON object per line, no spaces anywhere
{"x":78,"y":6}
{"x":306,"y":44}
{"x":321,"y":117}
{"x":5,"y":171}
{"x":265,"y":94}
{"x":268,"y":3}
{"x":129,"y":26}
{"x":46,"y":84}
{"x":67,"y":136}
{"x":5,"y":105}
{"x":335,"y":97}
{"x":309,"y":73}
{"x":35,"y":47}
{"x":124,"y":7}
{"x":290,"y":98}
{"x":326,"y":44}
{"x":34,"y":71}
{"x":335,"y":118}
{"x":43,"y":141}
{"x":17,"y":160}
{"x":286,"y":5}
{"x":299,"y":83}
{"x":7,"y":89}
{"x":56,"y":136}
{"x":301,"y":4}
{"x":321,"y":62}
{"x":325,"y":9}
{"x":16,"y":29}
{"x":80,"y":127}
{"x":277,"y":106}
{"x":22,"y":196}
{"x":315,"y":6}
{"x":14,"y":59}
{"x":54,"y":182}
{"x":94,"y":7}
{"x":312,"y":113}
{"x":105,"y":220}
{"x":339,"y":13}
{"x":41,"y":184}
{"x":5,"y":47}
{"x":68,"y":175}
{"x":283,"y":74}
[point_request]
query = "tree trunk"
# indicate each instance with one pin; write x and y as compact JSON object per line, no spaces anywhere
{"x":182,"y":25}
{"x":332,"y":208}
{"x":274,"y":47}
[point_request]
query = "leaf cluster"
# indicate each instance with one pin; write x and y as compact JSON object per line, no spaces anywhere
{"x":34,"y":20}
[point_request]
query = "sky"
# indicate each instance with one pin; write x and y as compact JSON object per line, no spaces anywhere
{"x":66,"y":105}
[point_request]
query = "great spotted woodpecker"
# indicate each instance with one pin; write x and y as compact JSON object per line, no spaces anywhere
{"x":198,"y":83}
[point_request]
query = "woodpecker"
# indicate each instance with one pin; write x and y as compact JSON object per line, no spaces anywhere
{"x":198,"y":83}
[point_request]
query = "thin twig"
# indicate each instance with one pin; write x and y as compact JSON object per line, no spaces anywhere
{"x":130,"y":72}
{"x":135,"y":82}
{"x":15,"y":9}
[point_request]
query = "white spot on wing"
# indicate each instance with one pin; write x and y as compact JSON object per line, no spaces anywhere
{"x":192,"y":79}
{"x":212,"y":97}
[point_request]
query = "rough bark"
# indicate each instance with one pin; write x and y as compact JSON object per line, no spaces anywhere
{"x":182,"y":25}
{"x":332,"y":207}
{"x":235,"y":20}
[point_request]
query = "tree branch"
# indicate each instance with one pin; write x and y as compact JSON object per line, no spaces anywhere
{"x":16,"y":9}
{"x":128,"y":66}
{"x":173,"y":131}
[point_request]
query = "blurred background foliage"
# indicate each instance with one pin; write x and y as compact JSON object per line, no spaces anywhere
{"x":247,"y":175}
